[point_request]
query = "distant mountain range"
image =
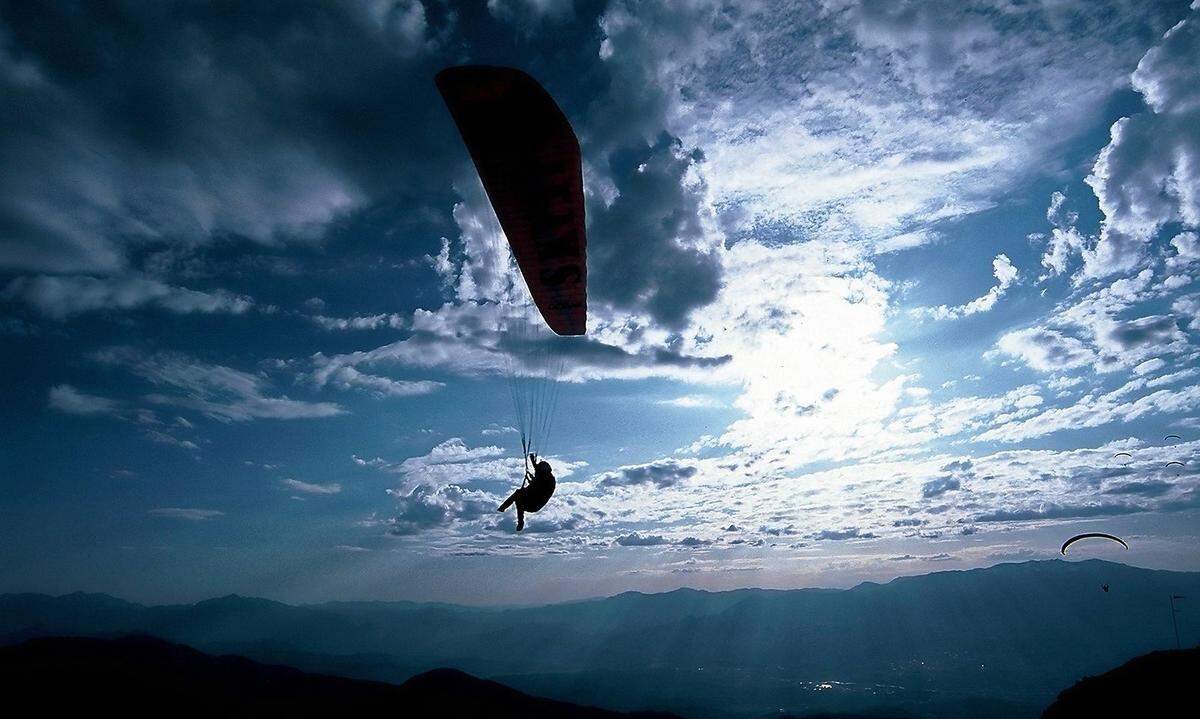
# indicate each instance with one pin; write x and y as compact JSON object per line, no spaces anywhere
{"x":1001,"y":641}
{"x":146,"y":677}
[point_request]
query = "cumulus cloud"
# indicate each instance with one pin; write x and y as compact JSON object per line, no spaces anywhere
{"x":1046,"y":350}
{"x":1006,"y":275}
{"x":1145,"y":177}
{"x":423,"y":507}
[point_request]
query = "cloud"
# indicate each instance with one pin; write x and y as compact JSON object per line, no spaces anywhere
{"x":1148,"y":488}
{"x":1187,"y":248}
{"x":1006,"y":275}
{"x":347,"y":377}
{"x":63,"y":297}
{"x":65,"y":398}
{"x":938,"y":487}
{"x":1046,"y":350}
{"x":309,"y":488}
{"x":90,"y":179}
{"x":494,"y":430}
{"x":1057,"y":511}
{"x":1145,"y":177}
{"x":1095,"y":410}
{"x":838,"y":535}
{"x":425,"y":508}
{"x":363,"y":322}
{"x":691,"y":401}
{"x":661,"y":474}
{"x":189,"y":514}
{"x":219,"y":392}
{"x":635,"y":539}
{"x":929,"y":126}
{"x":651,"y":251}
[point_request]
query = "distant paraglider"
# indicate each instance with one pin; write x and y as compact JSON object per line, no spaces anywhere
{"x":1174,"y":437}
{"x":1091,"y":535}
{"x":1104,"y":587}
{"x":1175,"y":463}
{"x":1123,"y":454}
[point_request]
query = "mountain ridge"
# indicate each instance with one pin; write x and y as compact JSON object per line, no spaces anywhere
{"x":1021,"y":630}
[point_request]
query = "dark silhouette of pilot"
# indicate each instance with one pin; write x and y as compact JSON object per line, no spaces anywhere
{"x":535,"y":491}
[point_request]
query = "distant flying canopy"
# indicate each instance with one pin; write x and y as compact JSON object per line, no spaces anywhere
{"x":528,"y":159}
{"x":1173,"y":436}
{"x":1175,"y":463}
{"x":1123,"y":454}
{"x":1091,"y":535}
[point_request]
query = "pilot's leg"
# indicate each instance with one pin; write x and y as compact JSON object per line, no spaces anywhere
{"x":511,"y":498}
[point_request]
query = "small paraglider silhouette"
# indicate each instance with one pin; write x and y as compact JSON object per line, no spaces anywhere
{"x":1091,"y":535}
{"x":1104,"y":587}
{"x":1175,"y":437}
{"x":1175,"y":463}
{"x":1122,"y":454}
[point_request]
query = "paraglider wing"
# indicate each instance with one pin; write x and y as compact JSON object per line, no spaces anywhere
{"x":1175,"y":463}
{"x":528,"y":159}
{"x":1123,"y":454}
{"x":1091,"y":535}
{"x":1173,"y":436}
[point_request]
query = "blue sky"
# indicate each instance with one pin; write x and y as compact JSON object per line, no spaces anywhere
{"x":874,"y":289}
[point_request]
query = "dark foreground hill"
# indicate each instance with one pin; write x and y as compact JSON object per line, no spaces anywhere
{"x":1160,"y":684}
{"x":142,"y":676}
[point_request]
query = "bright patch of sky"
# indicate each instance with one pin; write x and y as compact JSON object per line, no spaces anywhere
{"x":875,"y":288}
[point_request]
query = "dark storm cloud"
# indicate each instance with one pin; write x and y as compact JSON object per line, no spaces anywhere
{"x":129,"y":123}
{"x":646,"y":245}
{"x":938,"y":487}
{"x":128,"y":128}
{"x":634,"y":539}
{"x":838,"y":535}
{"x":1143,"y":332}
{"x":588,"y":352}
{"x":961,"y":465}
{"x":1149,"y":488}
{"x":1058,"y":511}
{"x":662,"y":474}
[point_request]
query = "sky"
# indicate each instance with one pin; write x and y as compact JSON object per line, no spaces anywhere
{"x":875,"y":288}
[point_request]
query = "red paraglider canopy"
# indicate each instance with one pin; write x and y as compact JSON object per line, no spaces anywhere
{"x":528,"y":159}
